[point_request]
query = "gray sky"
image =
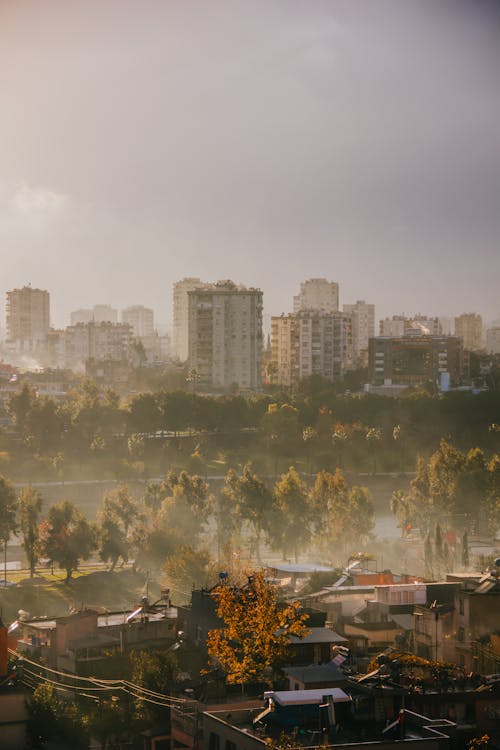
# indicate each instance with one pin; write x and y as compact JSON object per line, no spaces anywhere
{"x":266,"y":141}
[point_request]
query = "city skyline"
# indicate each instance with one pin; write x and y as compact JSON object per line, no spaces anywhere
{"x":267,"y":145}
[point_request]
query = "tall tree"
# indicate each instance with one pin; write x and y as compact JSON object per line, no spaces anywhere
{"x":66,"y":537}
{"x":255,"y":637}
{"x":8,"y":514}
{"x":254,"y":503}
{"x":30,"y":507}
{"x":291,"y":530}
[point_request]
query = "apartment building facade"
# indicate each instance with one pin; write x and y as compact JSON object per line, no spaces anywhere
{"x":363,"y":328}
{"x":416,"y":359}
{"x":181,"y":289}
{"x":225,"y":336}
{"x":27,"y":318}
{"x":141,"y":319}
{"x":317,"y":294}
{"x":469,"y":327}
{"x":308,"y":343}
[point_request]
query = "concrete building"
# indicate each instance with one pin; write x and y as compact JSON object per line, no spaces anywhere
{"x":493,"y":340}
{"x":141,"y":319}
{"x":400,"y":325}
{"x":317,"y":294}
{"x":310,"y":343}
{"x":469,"y":326}
{"x":225,"y":336}
{"x":102,"y":341}
{"x":96,"y":314}
{"x":363,"y":328}
{"x":181,"y":315}
{"x":27,"y":319}
{"x":415,"y":359}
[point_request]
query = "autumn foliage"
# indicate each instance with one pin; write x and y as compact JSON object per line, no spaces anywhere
{"x":254,"y":639}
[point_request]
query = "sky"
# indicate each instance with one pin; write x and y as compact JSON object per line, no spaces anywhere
{"x":267,"y":141}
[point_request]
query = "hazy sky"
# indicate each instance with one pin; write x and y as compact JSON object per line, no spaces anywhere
{"x":266,"y":141}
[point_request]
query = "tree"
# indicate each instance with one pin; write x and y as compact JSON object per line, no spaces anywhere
{"x":155,"y":671}
{"x":119,"y":512}
{"x":8,"y":513}
{"x":51,"y":718}
{"x":188,"y":568}
{"x":254,"y":501}
{"x":291,"y":527}
{"x":66,"y":537}
{"x":255,"y":637}
{"x":465,"y":550}
{"x":30,"y":507}
{"x":344,"y":516}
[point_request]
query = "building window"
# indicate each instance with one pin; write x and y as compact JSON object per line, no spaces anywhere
{"x":213,"y":741}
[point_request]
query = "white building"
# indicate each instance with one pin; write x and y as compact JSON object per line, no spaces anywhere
{"x":317,"y":294}
{"x":469,"y":326}
{"x":400,"y":325}
{"x":141,"y":319}
{"x":493,"y":340}
{"x":96,"y":314}
{"x":27,"y":319}
{"x":310,"y":343}
{"x":363,"y":328}
{"x":181,"y":314}
{"x":225,"y":335}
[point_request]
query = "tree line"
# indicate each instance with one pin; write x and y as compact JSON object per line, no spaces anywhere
{"x":314,"y":425}
{"x":178,"y":521}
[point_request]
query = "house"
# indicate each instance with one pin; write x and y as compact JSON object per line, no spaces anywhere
{"x":315,"y":676}
{"x":316,"y":647}
{"x":81,"y":643}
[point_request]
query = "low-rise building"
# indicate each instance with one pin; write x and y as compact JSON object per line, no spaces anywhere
{"x":81,"y":643}
{"x":416,"y":359}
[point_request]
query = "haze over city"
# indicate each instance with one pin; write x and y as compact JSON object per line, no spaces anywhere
{"x":144,"y":142}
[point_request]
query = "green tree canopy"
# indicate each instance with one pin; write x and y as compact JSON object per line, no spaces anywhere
{"x":66,"y":537}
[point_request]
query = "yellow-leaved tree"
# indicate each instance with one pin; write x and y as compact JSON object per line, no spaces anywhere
{"x":254,"y":640}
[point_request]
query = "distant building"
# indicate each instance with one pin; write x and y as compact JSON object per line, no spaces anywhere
{"x":400,"y":325}
{"x":181,"y":314}
{"x":225,"y":336}
{"x":100,"y":341}
{"x":415,"y":359}
{"x":96,"y":314}
{"x":317,"y":294}
{"x":469,"y":326}
{"x":27,"y":319}
{"x":363,"y":328}
{"x":141,"y":319}
{"x":493,"y":340}
{"x":310,"y":342}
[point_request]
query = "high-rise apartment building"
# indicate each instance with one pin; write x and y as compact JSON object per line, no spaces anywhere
{"x":141,"y":319}
{"x":493,"y":340}
{"x":28,"y":318}
{"x":317,"y":294}
{"x":225,"y":335}
{"x":181,"y":314}
{"x":469,"y":326}
{"x":96,"y":314}
{"x":363,"y":328}
{"x":308,"y":343}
